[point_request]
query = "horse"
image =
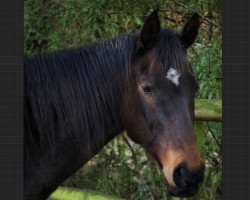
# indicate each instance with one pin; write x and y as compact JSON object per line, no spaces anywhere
{"x":76,"y":100}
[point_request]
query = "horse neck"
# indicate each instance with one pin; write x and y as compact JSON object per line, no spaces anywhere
{"x":111,"y":84}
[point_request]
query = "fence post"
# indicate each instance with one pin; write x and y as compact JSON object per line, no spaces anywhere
{"x":199,"y":128}
{"x":200,"y":132}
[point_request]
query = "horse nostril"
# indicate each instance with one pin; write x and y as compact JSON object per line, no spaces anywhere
{"x":180,"y":176}
{"x":183,"y":177}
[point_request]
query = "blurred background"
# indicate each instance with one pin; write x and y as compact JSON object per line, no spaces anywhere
{"x":123,"y":168}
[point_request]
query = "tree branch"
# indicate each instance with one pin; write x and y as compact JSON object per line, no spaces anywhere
{"x":131,"y":149}
{"x":205,"y":18}
{"x":209,"y":128}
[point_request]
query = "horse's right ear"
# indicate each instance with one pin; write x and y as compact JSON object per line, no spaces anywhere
{"x":190,"y":30}
{"x":150,"y":31}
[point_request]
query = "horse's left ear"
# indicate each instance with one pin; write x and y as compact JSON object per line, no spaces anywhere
{"x":190,"y":30}
{"x":150,"y":30}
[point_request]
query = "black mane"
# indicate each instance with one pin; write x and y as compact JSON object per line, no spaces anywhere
{"x":76,"y":91}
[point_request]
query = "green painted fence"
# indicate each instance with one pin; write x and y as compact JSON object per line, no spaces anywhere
{"x":205,"y":110}
{"x":208,"y":110}
{"x":79,"y":194}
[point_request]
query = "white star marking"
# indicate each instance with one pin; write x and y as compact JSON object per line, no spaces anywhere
{"x":173,"y":76}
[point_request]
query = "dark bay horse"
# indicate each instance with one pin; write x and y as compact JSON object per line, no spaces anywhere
{"x":77,"y":100}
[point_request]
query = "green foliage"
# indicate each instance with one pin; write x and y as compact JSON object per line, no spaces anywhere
{"x":121,"y":170}
{"x":206,"y":60}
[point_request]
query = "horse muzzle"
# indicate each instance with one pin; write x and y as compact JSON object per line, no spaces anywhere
{"x":186,"y":182}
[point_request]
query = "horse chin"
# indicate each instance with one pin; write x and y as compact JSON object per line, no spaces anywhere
{"x":180,"y":192}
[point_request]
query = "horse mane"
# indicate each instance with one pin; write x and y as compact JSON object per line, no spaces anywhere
{"x":76,"y":92}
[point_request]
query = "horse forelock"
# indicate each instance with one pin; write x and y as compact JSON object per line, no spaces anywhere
{"x":169,"y":53}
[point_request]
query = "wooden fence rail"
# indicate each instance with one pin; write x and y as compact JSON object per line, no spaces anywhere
{"x":208,"y":110}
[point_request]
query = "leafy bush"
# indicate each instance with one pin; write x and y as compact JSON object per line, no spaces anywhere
{"x":206,"y":62}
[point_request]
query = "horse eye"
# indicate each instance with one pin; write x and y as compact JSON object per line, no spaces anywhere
{"x":146,"y":88}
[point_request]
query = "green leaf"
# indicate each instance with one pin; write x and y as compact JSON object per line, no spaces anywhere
{"x":210,"y":95}
{"x":137,"y":20}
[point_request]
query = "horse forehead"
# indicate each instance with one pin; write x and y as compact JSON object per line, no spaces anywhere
{"x":173,"y":75}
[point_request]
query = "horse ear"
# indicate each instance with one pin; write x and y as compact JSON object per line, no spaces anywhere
{"x":150,"y":30}
{"x":190,"y":30}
